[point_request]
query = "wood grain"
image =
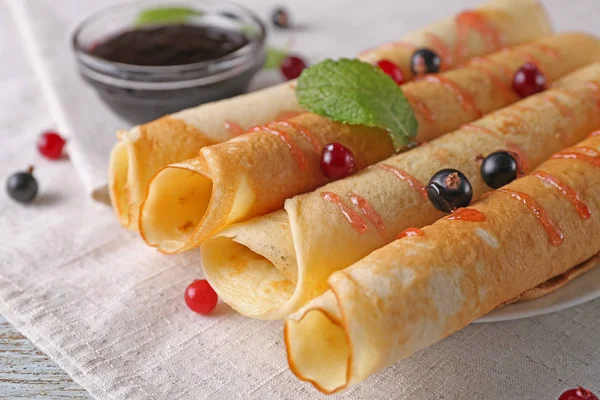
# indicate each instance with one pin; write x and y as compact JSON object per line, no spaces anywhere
{"x":26,"y":372}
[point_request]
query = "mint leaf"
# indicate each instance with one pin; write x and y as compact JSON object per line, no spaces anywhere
{"x":166,"y":15}
{"x":357,"y":93}
{"x":274,"y":58}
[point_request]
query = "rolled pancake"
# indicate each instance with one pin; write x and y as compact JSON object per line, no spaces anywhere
{"x":471,"y":33}
{"x":557,"y":282}
{"x":418,"y":290}
{"x":254,"y":173}
{"x":271,"y":265}
{"x":143,"y":150}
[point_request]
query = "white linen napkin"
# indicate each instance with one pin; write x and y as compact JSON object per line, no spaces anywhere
{"x":110,"y":311}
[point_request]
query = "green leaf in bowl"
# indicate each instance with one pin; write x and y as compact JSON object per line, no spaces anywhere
{"x":165,"y":15}
{"x":274,"y":58}
{"x":249,"y":29}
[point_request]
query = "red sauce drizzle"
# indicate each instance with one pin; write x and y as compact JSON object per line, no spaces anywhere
{"x":421,"y":107}
{"x":564,"y":110}
{"x":485,"y":195}
{"x":555,"y":235}
{"x":479,"y":128}
{"x":400,"y":43}
{"x":511,"y":113}
{"x":523,"y":107}
{"x":234,"y":129}
{"x":588,"y":151}
{"x":572,"y":154}
{"x":304,"y":132}
{"x":547,"y":49}
{"x":530,"y":58}
{"x":352,"y":216}
{"x":405,"y":177}
{"x":467,"y":214}
{"x":296,"y":151}
{"x":498,"y":83}
{"x":522,"y":161}
{"x":568,"y":94}
{"x":527,"y":56}
{"x":567,"y":191}
{"x":466,"y":99}
{"x":442,"y":50}
{"x":595,"y":86}
{"x":506,"y":71}
{"x":368,"y":211}
{"x":410,"y":232}
{"x":467,"y":20}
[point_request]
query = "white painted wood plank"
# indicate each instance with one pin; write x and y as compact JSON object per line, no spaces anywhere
{"x":26,"y":372}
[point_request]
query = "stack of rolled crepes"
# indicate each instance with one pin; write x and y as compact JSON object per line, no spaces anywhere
{"x":348,"y":316}
{"x":255,"y":173}
{"x":269,"y":266}
{"x":420,"y":289}
{"x":143,"y":150}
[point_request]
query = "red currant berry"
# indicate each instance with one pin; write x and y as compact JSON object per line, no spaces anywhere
{"x":337,"y":161}
{"x":292,"y":67}
{"x":392,"y":70}
{"x":578,"y":394}
{"x":50,"y":144}
{"x":200,"y":297}
{"x":529,"y":80}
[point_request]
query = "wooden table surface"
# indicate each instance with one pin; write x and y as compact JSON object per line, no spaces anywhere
{"x":27,"y":373}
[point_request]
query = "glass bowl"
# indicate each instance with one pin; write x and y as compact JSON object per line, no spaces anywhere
{"x":143,"y":93}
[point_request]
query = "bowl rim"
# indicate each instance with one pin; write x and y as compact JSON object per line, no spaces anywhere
{"x":231,"y":60}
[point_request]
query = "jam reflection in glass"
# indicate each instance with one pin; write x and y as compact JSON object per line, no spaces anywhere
{"x":143,"y":72}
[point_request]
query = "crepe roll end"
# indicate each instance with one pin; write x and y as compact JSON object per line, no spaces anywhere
{"x":246,"y":280}
{"x":177,"y":200}
{"x":117,"y":184}
{"x":317,"y":345}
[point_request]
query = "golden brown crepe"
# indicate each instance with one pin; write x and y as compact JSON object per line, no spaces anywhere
{"x":418,"y":290}
{"x":253,"y":174}
{"x":140,"y":152}
{"x":557,"y":282}
{"x":490,"y":27}
{"x":271,"y":265}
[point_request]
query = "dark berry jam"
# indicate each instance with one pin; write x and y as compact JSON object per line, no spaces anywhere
{"x":169,"y":45}
{"x":143,"y":72}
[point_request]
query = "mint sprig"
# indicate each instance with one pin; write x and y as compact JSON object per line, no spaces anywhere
{"x":165,"y":15}
{"x":357,"y":93}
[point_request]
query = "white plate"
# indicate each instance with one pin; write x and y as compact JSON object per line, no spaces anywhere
{"x":581,"y":290}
